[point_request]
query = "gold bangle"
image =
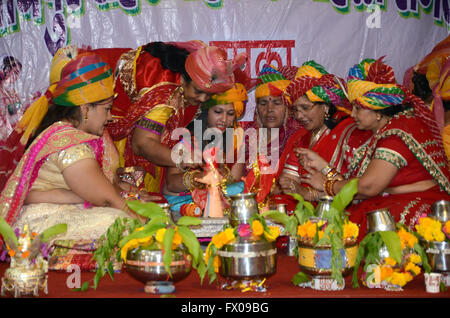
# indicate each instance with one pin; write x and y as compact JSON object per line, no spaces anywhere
{"x":332,"y":173}
{"x":188,"y":180}
{"x":195,"y":184}
{"x":329,"y":183}
{"x":326,"y":170}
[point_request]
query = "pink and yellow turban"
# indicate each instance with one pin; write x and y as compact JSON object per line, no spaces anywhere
{"x":271,"y":82}
{"x":75,"y":79}
{"x":237,"y":95}
{"x":440,"y":52}
{"x":438,"y":76}
{"x":314,"y":81}
{"x":372,"y":85}
{"x":210,"y":70}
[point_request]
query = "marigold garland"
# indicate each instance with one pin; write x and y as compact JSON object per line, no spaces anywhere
{"x":256,"y":229}
{"x":432,"y":230}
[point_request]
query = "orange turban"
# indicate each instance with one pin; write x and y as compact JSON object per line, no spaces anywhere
{"x":210,"y":70}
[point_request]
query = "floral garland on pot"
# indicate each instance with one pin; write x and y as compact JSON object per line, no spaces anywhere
{"x":23,"y":245}
{"x":432,"y":230}
{"x":160,"y":232}
{"x":391,"y":259}
{"x":334,"y":231}
{"x":256,"y":229}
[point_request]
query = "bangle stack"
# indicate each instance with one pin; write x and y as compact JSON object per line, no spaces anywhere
{"x":326,"y":170}
{"x":130,"y":195}
{"x":228,"y":178}
{"x":332,"y":176}
{"x":189,"y":180}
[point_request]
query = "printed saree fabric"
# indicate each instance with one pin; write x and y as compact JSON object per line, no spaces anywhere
{"x":142,"y":86}
{"x":336,"y":146}
{"x":407,"y":143}
{"x":55,"y":148}
{"x":54,"y":139}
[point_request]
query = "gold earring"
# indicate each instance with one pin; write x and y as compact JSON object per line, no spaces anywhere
{"x":378,"y":117}
{"x":85,"y":116}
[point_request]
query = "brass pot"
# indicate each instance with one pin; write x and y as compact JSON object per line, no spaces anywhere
{"x":248,"y":258}
{"x":24,"y":280}
{"x":438,"y":254}
{"x":316,"y":260}
{"x":243,"y":207}
{"x":147,"y":266}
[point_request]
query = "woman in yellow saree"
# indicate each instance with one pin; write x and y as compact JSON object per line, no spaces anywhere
{"x":61,"y":175}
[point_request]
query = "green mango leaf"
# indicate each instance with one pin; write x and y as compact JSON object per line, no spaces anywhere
{"x":110,"y":270}
{"x":276,"y":216}
{"x":297,"y":197}
{"x":191,"y":242}
{"x":189,"y":220}
{"x":201,"y":270}
{"x":210,"y":266}
{"x":158,"y":220}
{"x":98,"y":276}
{"x":8,"y":234}
{"x":392,"y":241}
{"x":345,"y":195}
{"x":147,"y":231}
{"x":83,"y":287}
{"x":419,"y":249}
{"x":309,"y":208}
{"x":167,"y":246}
{"x":147,"y":209}
{"x":300,"y":278}
{"x":360,"y":257}
{"x":291,"y":226}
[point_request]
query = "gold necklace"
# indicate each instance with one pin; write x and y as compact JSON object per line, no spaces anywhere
{"x":316,"y":136}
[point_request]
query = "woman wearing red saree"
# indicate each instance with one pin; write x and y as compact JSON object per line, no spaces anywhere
{"x":160,"y":86}
{"x":403,"y":166}
{"x":271,"y":128}
{"x":320,"y":105}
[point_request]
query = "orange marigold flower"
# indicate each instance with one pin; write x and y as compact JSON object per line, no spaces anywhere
{"x":301,"y":231}
{"x":390,"y":261}
{"x":415,"y":259}
{"x":25,"y":254}
{"x":216,"y":240}
{"x":385,"y":272}
{"x":351,"y":230}
{"x":311,"y":229}
{"x":411,"y":267}
{"x":272,"y":233}
{"x":216,"y":263}
{"x":257,"y":228}
{"x":177,"y":240}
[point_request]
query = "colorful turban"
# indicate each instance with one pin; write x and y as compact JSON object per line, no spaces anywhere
{"x":271,"y":82}
{"x":438,"y":76}
{"x":440,"y":52}
{"x":190,"y":46}
{"x":210,"y":70}
{"x":237,"y":95}
{"x":372,"y":85}
{"x":75,"y":79}
{"x":313,"y":80}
